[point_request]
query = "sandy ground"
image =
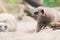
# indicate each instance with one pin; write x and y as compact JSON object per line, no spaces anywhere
{"x":26,"y":31}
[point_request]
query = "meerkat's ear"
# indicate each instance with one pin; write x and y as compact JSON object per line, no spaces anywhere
{"x":42,"y":11}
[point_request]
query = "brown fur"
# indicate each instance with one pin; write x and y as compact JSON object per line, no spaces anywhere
{"x":55,"y":26}
{"x":43,"y":21}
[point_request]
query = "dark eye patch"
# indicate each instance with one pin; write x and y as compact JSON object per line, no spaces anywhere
{"x":5,"y":26}
{"x":36,"y":13}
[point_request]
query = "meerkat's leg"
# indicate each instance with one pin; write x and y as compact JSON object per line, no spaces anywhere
{"x":39,"y":27}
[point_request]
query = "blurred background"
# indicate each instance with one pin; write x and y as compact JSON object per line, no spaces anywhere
{"x":52,"y":3}
{"x":19,"y":6}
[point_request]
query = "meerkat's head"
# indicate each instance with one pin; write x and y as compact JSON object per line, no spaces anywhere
{"x":41,"y":16}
